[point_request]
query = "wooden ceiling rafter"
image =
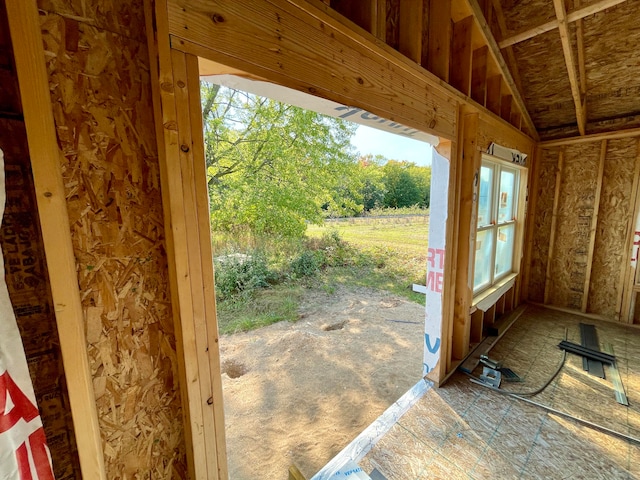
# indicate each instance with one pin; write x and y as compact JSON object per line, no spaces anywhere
{"x":495,"y":52}
{"x":572,"y":16}
{"x":578,"y":98}
{"x":511,"y":56}
{"x":582,"y":68}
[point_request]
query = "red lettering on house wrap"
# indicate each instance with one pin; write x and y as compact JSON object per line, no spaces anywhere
{"x":22,"y":406}
{"x":436,"y":255}
{"x":36,"y":448}
{"x":435,"y":274}
{"x":33,"y":451}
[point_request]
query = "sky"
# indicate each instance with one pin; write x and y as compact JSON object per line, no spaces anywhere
{"x":392,"y":146}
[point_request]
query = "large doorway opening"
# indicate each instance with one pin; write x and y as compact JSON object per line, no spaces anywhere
{"x":298,"y":392}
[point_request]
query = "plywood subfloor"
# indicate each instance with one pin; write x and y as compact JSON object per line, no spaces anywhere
{"x":463,"y":430}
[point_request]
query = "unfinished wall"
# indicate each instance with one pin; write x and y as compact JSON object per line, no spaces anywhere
{"x":542,"y":223}
{"x":587,"y":251}
{"x":97,"y":62}
{"x":574,"y":213}
{"x":26,"y":273}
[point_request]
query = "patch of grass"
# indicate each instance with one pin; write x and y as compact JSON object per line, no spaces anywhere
{"x":261,"y":308}
{"x":260,"y":281}
{"x":410,"y":235}
{"x":369,"y":277}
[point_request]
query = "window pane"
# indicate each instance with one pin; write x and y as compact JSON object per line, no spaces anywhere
{"x":484,"y":247}
{"x":507,"y":194}
{"x":504,"y":249}
{"x":484,"y":196}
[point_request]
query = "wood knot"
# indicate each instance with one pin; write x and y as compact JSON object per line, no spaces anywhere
{"x":48,"y":194}
{"x":184,"y":148}
{"x":432,"y":123}
{"x":167,"y":86}
{"x":210,"y":401}
{"x":360,"y":80}
{"x":217,"y":18}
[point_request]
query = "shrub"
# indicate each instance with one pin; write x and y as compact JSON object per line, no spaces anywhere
{"x":240,"y":273}
{"x":306,"y":264}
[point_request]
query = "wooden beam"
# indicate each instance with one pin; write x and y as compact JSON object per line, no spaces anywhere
{"x":194,"y":333}
{"x":410,"y":30}
{"x":494,"y":93}
{"x":450,"y":261}
{"x":515,"y":118}
{"x":570,"y":62}
{"x":424,"y":60}
{"x":596,"y":137}
{"x":505,"y":107}
{"x":554,"y":220}
{"x":379,"y":22}
{"x":361,"y":13}
{"x":477,"y":323}
{"x":582,"y":68}
{"x":494,"y":50}
{"x":572,"y":16}
{"x":207,"y":283}
{"x":361,"y":71}
{"x":26,"y":36}
{"x":628,"y":278}
{"x":460,"y":68}
{"x":479,"y":75}
{"x":511,"y":56}
{"x":594,"y":226}
{"x":439,"y":38}
{"x":346,"y":66}
{"x":532,"y":200}
{"x":178,"y":123}
{"x":470,"y":166}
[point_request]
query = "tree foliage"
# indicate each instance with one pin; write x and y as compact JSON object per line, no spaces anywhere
{"x":406,"y":184}
{"x":273,"y":167}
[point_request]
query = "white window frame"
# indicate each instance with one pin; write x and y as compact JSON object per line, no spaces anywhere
{"x":499,"y":165}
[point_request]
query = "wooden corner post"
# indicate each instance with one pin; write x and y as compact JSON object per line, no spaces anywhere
{"x":469,"y":167}
{"x":175,"y":84}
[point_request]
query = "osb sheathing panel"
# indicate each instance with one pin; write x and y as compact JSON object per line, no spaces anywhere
{"x":542,"y":223}
{"x":124,"y":17}
{"x":545,"y":83}
{"x":101,"y":98}
{"x":612,"y":62}
{"x":521,"y":15}
{"x":616,"y":207}
{"x":491,"y":131}
{"x":575,"y":210}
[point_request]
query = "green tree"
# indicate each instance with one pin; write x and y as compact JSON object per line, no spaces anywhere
{"x":422,"y":177}
{"x":402,"y":190}
{"x":273,"y":167}
{"x":373,"y":186}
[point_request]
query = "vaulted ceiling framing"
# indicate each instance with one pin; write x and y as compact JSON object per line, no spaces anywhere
{"x":552,"y":68}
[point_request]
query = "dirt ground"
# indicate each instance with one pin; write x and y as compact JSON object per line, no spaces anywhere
{"x":298,"y":393}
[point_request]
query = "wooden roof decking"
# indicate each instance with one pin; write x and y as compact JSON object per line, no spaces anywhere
{"x":610,"y":81}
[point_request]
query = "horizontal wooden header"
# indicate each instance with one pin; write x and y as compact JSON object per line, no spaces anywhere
{"x":302,"y":47}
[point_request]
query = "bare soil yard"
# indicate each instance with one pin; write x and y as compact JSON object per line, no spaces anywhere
{"x":297,"y":393}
